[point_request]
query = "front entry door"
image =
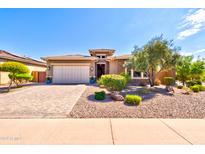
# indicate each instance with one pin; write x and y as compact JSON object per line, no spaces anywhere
{"x":100,"y":70}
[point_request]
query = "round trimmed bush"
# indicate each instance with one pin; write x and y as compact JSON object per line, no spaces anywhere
{"x":169,"y":81}
{"x":133,"y":99}
{"x":113,"y":82}
{"x":100,"y":95}
{"x":201,"y":87}
{"x":195,"y":88}
{"x":190,"y":83}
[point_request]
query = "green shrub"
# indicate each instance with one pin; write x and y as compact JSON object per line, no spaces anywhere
{"x":99,"y":82}
{"x":201,"y":87}
{"x":127,"y":76}
{"x":133,"y":99}
{"x":190,"y":83}
{"x":100,"y":95}
{"x":195,"y":88}
{"x":169,"y":81}
{"x":113,"y":82}
{"x":20,"y":78}
{"x":25,"y":77}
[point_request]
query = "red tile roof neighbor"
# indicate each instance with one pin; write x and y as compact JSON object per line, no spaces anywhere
{"x":12,"y":57}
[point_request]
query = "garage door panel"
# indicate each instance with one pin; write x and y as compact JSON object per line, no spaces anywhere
{"x":70,"y":74}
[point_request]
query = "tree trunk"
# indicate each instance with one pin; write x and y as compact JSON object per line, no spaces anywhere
{"x":152,"y":78}
{"x":9,"y":87}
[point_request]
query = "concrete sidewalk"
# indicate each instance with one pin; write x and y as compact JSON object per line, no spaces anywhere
{"x":102,"y":131}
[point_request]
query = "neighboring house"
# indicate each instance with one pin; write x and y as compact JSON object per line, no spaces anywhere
{"x":37,"y":68}
{"x":79,"y":68}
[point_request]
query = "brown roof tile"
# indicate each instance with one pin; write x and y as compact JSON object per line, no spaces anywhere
{"x":9,"y":56}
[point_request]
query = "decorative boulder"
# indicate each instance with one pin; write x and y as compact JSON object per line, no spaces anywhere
{"x":116,"y":96}
{"x":170,"y":89}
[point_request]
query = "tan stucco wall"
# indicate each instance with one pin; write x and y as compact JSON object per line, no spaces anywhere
{"x":113,"y":67}
{"x":116,"y":66}
{"x":4,"y":79}
{"x":36,"y":68}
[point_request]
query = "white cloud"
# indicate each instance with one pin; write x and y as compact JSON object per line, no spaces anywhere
{"x":199,"y":51}
{"x":192,"y":53}
{"x":192,"y":23}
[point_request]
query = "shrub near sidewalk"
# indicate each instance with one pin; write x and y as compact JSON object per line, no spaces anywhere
{"x":195,"y":88}
{"x":113,"y":82}
{"x":133,"y":99}
{"x":190,"y":83}
{"x":201,"y":88}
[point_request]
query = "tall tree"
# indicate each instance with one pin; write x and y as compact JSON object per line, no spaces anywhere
{"x":158,"y":54}
{"x":183,"y":69}
{"x":197,"y":69}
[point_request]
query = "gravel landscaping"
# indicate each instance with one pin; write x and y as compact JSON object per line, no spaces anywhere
{"x":156,"y":103}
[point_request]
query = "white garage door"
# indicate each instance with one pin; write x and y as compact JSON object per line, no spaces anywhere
{"x":70,"y":74}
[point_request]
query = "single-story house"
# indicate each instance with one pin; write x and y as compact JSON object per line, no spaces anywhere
{"x":37,"y":68}
{"x":79,"y":68}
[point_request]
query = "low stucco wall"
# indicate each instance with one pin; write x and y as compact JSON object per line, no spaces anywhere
{"x":4,"y":79}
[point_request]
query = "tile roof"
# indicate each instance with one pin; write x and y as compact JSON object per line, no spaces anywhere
{"x":123,"y":57}
{"x":69,"y":57}
{"x":9,"y":56}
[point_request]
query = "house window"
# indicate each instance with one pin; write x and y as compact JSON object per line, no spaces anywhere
{"x":136,"y":74}
{"x":101,"y":56}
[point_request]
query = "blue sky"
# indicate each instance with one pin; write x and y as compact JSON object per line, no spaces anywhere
{"x":44,"y":32}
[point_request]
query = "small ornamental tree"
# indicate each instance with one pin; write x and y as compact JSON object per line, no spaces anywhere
{"x":157,"y":55}
{"x":183,"y":69}
{"x":18,"y":72}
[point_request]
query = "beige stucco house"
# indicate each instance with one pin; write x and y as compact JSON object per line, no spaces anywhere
{"x":79,"y":68}
{"x":37,"y":68}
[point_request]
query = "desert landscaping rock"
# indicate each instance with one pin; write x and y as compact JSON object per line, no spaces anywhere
{"x":154,"y":105}
{"x":117,"y":97}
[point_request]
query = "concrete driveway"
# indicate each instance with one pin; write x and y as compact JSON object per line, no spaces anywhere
{"x":42,"y":101}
